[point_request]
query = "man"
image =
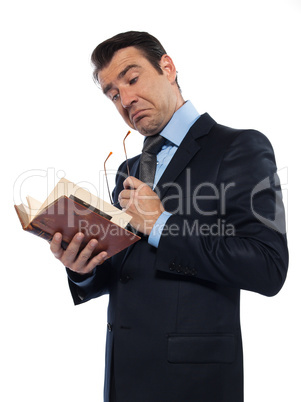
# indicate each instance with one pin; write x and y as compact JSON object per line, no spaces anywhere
{"x":213,"y":225}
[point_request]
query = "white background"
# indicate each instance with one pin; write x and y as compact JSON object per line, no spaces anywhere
{"x":237,"y":60}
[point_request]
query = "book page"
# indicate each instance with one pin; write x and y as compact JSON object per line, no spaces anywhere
{"x":34,"y":207}
{"x":23,"y":214}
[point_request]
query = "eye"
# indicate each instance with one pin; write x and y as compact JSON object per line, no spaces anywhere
{"x":115,"y":97}
{"x":133,"y":80}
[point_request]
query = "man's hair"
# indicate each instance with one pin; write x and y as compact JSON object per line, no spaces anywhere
{"x":149,"y":46}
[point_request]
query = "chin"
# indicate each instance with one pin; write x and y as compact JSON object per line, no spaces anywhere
{"x":147,"y":132}
{"x":148,"y":129}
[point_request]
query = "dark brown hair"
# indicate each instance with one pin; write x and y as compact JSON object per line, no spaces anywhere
{"x":146,"y":43}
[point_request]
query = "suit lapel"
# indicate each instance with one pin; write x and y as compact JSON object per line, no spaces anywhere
{"x":186,"y":151}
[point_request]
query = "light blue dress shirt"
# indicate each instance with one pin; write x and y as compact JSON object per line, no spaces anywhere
{"x":174,"y":132}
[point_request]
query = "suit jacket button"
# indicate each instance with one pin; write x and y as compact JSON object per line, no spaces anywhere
{"x":109,"y":327}
{"x":172,"y":266}
{"x":179,"y":269}
{"x":125,"y":278}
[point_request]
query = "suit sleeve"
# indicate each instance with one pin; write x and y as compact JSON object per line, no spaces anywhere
{"x":86,"y":287}
{"x":249,"y":251}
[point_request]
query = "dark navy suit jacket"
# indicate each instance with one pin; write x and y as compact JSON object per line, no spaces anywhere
{"x":174,"y":311}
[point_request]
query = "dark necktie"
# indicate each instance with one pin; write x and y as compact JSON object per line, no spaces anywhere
{"x":148,"y":159}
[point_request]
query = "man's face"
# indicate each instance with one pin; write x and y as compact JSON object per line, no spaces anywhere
{"x":145,"y":98}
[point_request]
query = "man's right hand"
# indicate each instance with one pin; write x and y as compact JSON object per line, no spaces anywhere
{"x":80,"y":263}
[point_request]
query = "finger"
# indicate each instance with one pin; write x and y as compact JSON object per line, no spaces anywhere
{"x":56,"y":245}
{"x":97,"y":260}
{"x":124,"y":203}
{"x":72,"y":250}
{"x":84,"y":255}
{"x":132,"y":183}
{"x":125,"y":194}
{"x":125,"y":197}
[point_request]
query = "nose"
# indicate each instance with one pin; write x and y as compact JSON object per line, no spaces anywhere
{"x":127,"y":97}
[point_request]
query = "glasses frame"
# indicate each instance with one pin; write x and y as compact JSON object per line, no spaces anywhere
{"x":127,"y":166}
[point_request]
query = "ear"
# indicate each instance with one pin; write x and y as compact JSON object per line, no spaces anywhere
{"x":168,"y":68}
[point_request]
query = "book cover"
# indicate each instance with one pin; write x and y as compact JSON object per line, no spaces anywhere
{"x":71,"y":214}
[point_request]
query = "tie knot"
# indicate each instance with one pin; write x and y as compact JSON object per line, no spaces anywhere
{"x":153,"y":144}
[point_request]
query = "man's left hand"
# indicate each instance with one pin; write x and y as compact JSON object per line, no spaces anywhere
{"x":142,"y":203}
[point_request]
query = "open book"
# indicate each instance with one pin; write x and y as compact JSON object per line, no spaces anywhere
{"x":70,"y":209}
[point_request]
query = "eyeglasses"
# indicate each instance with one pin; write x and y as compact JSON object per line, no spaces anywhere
{"x":127,"y":166}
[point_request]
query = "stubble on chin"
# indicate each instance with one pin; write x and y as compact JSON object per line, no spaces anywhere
{"x":148,"y":127}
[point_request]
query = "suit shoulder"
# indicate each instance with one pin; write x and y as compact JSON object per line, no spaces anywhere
{"x":232,"y":136}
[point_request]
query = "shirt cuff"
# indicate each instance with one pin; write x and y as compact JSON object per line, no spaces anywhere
{"x":78,"y":279}
{"x":157,"y":229}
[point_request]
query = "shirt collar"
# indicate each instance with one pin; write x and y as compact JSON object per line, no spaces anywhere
{"x":180,"y":123}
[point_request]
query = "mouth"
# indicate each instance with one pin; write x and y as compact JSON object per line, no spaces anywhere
{"x":138,"y":115}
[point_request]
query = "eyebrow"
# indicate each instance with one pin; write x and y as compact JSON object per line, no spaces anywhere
{"x":120,"y":75}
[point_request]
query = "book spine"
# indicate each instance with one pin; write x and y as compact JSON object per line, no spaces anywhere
{"x":44,"y":235}
{"x":39,"y":232}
